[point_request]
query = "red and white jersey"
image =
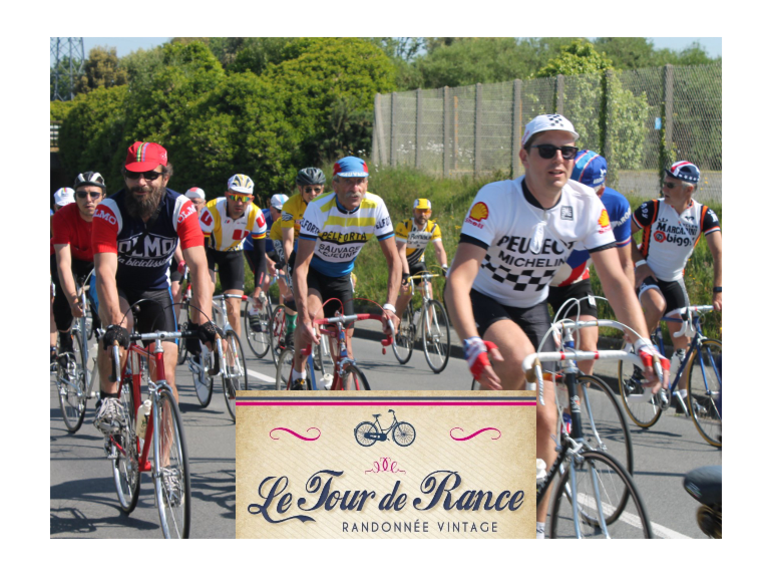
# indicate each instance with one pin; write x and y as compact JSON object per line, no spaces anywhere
{"x":525,"y":244}
{"x":225,"y":234}
{"x":669,"y":238}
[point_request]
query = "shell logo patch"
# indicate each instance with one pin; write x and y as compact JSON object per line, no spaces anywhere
{"x":604,"y":220}
{"x":480,"y":211}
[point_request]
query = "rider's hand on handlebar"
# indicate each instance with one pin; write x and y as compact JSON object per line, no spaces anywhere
{"x":478,"y":354}
{"x":646,"y":351}
{"x":307,"y":334}
{"x":389,"y":316}
{"x":115,"y":333}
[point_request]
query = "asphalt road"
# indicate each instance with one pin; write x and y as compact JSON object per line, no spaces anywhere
{"x":83,"y":501}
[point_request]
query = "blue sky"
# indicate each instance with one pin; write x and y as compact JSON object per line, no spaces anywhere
{"x":125,"y":45}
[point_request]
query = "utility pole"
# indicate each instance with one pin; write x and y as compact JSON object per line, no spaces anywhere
{"x":72,"y":49}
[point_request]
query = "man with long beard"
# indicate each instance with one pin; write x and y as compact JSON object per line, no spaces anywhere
{"x":134,"y":235}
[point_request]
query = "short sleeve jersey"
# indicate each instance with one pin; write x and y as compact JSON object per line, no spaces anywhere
{"x":669,"y":238}
{"x":71,"y":229}
{"x":268,"y":243}
{"x":144,"y":258}
{"x":577,"y":266}
{"x":340,"y":234}
{"x":292,"y":213}
{"x":416,"y":239}
{"x":525,"y":244}
{"x":225,"y":234}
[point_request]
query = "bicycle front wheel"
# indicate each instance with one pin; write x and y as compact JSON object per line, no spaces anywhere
{"x":403,"y":341}
{"x":277,"y":333}
{"x":125,"y":452}
{"x":435,"y":333}
{"x":604,"y":493}
{"x":234,"y":376}
{"x":284,"y":370}
{"x":183,"y":323}
{"x":403,"y":433}
{"x":71,"y":380}
{"x":259,"y":339}
{"x":365,"y":433}
{"x":202,"y":381}
{"x":705,"y":375}
{"x":353,"y":379}
{"x":603,"y":421}
{"x":172,"y":480}
{"x":638,"y":402}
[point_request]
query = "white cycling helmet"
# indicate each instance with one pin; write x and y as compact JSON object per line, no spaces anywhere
{"x":64,"y":196}
{"x":241,"y":184}
{"x":195,"y":193}
{"x":278,"y":201}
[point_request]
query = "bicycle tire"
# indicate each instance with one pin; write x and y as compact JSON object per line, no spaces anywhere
{"x":175,"y":518}
{"x":235,"y":372}
{"x":359,"y":433}
{"x":72,"y":389}
{"x":476,"y":385}
{"x":603,"y":421}
{"x":704,"y":390}
{"x":278,"y":329}
{"x":437,"y":343}
{"x":402,"y":345}
{"x":259,"y":342}
{"x":403,"y":433}
{"x":284,"y":369}
{"x":126,"y":474}
{"x":204,"y":388}
{"x":640,"y":405}
{"x":615,"y":484}
{"x":353,"y":379}
{"x":182,"y":351}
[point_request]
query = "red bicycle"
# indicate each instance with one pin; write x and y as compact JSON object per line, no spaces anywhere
{"x":152,"y":423}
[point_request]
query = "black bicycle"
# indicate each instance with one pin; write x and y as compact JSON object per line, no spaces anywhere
{"x":368,"y":433}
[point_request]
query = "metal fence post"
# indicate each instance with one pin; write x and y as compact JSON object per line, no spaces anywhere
{"x":418,"y":119}
{"x":446,"y":132}
{"x":667,"y":121}
{"x":393,"y":147}
{"x":375,"y":154}
{"x":477,"y":130}
{"x":608,"y":128}
{"x":560,"y":84}
{"x":517,"y":125}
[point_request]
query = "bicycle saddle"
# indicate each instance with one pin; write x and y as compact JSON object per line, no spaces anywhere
{"x":704,"y":484}
{"x":376,"y":415}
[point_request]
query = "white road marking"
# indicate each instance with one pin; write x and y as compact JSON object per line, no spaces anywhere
{"x":634,"y":521}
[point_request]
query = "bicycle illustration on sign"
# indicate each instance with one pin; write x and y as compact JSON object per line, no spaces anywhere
{"x":367,"y":433}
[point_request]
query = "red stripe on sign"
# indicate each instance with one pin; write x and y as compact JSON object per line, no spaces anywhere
{"x":384,"y":403}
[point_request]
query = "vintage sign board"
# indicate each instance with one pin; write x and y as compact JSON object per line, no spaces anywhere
{"x":433,"y":464}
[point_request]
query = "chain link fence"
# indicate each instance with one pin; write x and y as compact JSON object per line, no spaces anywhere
{"x":640,"y":120}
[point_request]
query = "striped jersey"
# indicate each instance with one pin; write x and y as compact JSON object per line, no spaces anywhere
{"x":225,"y":234}
{"x":416,"y":239}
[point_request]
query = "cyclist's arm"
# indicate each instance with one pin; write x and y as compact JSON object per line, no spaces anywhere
{"x":390,"y":252}
{"x":439,"y":252}
{"x":195,"y":257}
{"x":287,"y":241}
{"x":66,"y":281}
{"x":626,"y":259}
{"x":300,"y":283}
{"x":715,"y":245}
{"x":106,"y":266}
{"x":260,"y":260}
{"x":402,"y":251}
{"x":643,"y":271}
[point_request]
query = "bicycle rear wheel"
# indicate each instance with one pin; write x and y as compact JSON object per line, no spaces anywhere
{"x":705,"y":376}
{"x":235,"y":374}
{"x":353,"y":379}
{"x":278,"y":330}
{"x":202,"y":381}
{"x":183,"y":324}
{"x":403,"y":341}
{"x":71,"y":381}
{"x":599,"y":477}
{"x":435,"y":333}
{"x":125,"y":461}
{"x":259,"y":340}
{"x":638,"y":402}
{"x":403,"y":433}
{"x":603,"y":421}
{"x":172,"y":480}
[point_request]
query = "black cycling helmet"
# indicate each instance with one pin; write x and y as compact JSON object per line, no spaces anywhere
{"x":90,"y":178}
{"x":310,"y":176}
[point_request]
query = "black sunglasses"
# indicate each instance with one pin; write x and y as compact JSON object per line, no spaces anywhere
{"x":671,"y":185}
{"x":548,"y":151}
{"x":148,"y":175}
{"x":92,"y":194}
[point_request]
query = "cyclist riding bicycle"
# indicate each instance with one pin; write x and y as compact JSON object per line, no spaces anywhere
{"x":515,"y":236}
{"x":226,"y":221}
{"x":63,"y":196}
{"x":671,"y":228}
{"x":178,"y":265}
{"x":413,"y":236}
{"x":310,"y":183}
{"x":572,"y":280}
{"x":134,"y":236}
{"x":334,"y":229}
{"x":71,"y":252}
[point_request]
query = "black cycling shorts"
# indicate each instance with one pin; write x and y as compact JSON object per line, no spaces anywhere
{"x":674,"y":292}
{"x":581,"y":289}
{"x":230,"y":266}
{"x":155,"y":313}
{"x":417,"y":269}
{"x":174,"y":273}
{"x":332,"y":288}
{"x":62,"y":311}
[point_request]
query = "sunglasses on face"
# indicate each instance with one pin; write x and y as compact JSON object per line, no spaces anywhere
{"x":239,"y":198}
{"x":92,"y":194}
{"x":148,"y":175}
{"x":548,"y":151}
{"x":671,"y":185}
{"x":313,"y":189}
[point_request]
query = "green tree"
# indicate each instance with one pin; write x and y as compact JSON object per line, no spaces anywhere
{"x":255,"y":54}
{"x":66,"y":69}
{"x":142,"y":65}
{"x":101,"y":69}
{"x":579,"y":57}
{"x":628,"y":52}
{"x":319,"y":72}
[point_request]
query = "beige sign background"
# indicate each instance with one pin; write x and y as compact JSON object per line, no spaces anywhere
{"x":468,"y":471}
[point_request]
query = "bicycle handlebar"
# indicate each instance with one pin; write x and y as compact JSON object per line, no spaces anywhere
{"x":686,"y":315}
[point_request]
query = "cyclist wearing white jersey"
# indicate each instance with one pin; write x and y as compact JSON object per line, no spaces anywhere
{"x":514,"y":238}
{"x":334,"y":229}
{"x":671,"y":228}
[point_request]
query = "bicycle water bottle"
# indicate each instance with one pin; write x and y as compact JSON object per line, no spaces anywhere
{"x":143,"y":413}
{"x":562,"y":394}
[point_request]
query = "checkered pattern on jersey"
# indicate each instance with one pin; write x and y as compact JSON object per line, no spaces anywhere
{"x":519,"y":280}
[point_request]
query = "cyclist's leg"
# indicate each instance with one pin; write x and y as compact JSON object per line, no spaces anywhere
{"x":299,"y":370}
{"x":653,"y":303}
{"x":158,"y":315}
{"x":334,"y":292}
{"x":582,"y":303}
